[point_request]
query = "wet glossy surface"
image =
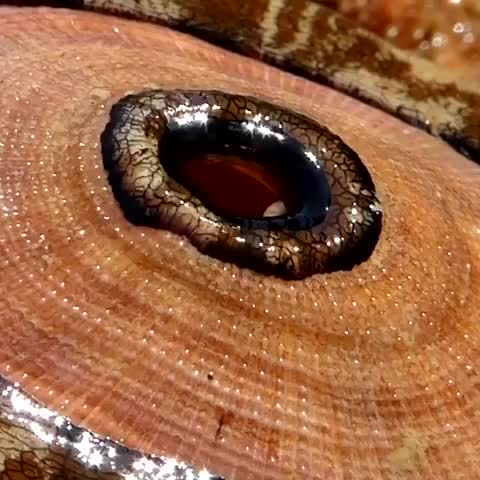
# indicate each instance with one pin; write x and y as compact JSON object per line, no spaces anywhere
{"x":133,"y":334}
{"x":63,"y":450}
{"x":339,"y":219}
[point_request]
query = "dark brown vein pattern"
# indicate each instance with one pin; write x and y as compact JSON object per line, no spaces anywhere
{"x":131,"y":332}
{"x":131,"y":154}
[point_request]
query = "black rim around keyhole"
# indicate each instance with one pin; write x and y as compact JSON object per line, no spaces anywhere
{"x":237,"y":172}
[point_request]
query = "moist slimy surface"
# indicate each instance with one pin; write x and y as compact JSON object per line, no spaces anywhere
{"x":338,"y":218}
{"x":131,"y":332}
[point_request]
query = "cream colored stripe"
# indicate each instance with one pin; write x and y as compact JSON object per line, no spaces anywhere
{"x":304,"y":29}
{"x":269,"y":22}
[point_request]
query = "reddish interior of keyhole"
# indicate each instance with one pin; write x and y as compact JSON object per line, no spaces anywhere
{"x":235,"y":186}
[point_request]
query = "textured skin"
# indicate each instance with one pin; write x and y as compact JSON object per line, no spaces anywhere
{"x":131,"y":153}
{"x":20,"y":465}
{"x":323,"y":46}
{"x":37,"y":444}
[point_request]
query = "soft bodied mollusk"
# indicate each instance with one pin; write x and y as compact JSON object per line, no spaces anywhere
{"x":132,"y":333}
